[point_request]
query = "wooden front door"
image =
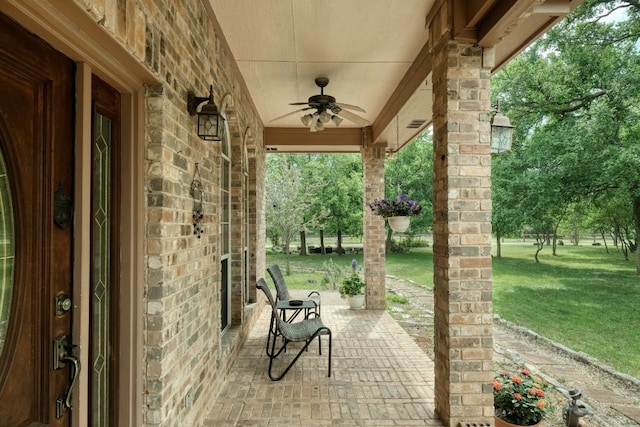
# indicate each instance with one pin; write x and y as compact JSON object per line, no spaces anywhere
{"x":36,"y":224}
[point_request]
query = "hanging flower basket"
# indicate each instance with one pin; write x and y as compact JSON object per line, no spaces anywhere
{"x":397,"y":212}
{"x":399,"y":223}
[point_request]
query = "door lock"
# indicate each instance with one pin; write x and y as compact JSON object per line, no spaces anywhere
{"x":63,"y":304}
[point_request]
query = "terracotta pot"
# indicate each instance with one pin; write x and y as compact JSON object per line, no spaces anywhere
{"x":501,"y":423}
{"x":399,"y":223}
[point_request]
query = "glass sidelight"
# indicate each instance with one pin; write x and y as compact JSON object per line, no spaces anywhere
{"x":101,"y":243}
{"x":105,"y":249}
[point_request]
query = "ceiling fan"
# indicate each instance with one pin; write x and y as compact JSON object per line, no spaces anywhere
{"x":327,"y":109}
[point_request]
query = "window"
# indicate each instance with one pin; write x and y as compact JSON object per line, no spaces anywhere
{"x":225,"y":229}
{"x":245,"y":174}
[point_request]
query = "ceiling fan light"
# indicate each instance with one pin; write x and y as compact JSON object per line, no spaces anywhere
{"x":337,"y":120}
{"x":319,"y":125}
{"x":324,"y":117}
{"x":306,"y":119}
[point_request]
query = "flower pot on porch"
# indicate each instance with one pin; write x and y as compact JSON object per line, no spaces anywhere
{"x":501,"y":423}
{"x":356,"y":302}
{"x":399,"y":223}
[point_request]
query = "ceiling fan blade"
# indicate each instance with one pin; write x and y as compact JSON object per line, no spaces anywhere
{"x":360,"y":121}
{"x":298,"y":103}
{"x":291,"y":113}
{"x":350,"y":107}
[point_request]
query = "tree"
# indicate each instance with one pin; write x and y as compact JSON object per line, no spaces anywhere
{"x":338,"y":199}
{"x":573,"y":97}
{"x":506,"y":218}
{"x":287,"y":200}
{"x":410,"y":172}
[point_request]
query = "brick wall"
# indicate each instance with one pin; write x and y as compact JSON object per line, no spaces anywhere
{"x":184,"y":362}
{"x":462,"y":230}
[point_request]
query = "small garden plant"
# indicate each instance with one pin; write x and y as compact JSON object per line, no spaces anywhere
{"x":351,"y":286}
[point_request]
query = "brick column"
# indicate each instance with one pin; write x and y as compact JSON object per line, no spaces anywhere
{"x":461,"y":230}
{"x":373,"y":226}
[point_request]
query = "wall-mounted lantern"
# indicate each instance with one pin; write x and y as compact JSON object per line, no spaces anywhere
{"x":210,"y":121}
{"x":501,"y":132}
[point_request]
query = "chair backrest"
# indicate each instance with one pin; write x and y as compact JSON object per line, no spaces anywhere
{"x":262,"y":285}
{"x":282,"y":291}
{"x":282,"y":326}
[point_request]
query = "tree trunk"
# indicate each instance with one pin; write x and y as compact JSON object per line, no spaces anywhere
{"x":498,"y":246}
{"x":303,"y":243}
{"x":322,"y":250}
{"x":540,"y":239}
{"x":555,"y":238}
{"x":287,"y":255}
{"x":606,"y":247}
{"x":636,"y":220}
{"x":387,"y":243}
{"x":339,"y":240}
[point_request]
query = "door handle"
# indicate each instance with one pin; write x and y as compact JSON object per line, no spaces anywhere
{"x":63,"y":355}
{"x":75,"y":372}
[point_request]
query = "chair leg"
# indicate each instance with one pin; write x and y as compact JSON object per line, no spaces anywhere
{"x":275,"y":354}
{"x":329,"y":372}
{"x":289,"y":366}
{"x":271,"y":335}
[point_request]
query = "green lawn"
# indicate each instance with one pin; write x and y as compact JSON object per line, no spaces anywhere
{"x":583,"y":298}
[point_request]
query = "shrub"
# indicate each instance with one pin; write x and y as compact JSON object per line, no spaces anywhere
{"x":333,"y":273}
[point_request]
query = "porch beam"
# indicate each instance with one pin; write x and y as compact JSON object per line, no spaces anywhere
{"x":345,"y":140}
{"x":411,"y":81}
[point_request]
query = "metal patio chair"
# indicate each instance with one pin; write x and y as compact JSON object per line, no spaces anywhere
{"x":303,"y":331}
{"x":282,"y":294}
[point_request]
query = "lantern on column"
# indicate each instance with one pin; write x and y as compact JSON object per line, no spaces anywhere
{"x":210,"y":121}
{"x":501,"y":132}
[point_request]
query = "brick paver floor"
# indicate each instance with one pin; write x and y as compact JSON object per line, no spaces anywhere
{"x":380,"y":377}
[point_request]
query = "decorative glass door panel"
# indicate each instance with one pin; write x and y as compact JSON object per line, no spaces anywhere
{"x":101,"y":292}
{"x":105,"y":244}
{"x":7,"y":252}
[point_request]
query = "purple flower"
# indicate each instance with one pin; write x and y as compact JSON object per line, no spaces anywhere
{"x":400,"y":206}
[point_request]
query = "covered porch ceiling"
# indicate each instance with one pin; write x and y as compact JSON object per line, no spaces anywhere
{"x":375,"y":54}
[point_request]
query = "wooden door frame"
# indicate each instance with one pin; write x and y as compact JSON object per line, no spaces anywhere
{"x":70,"y":30}
{"x":131,"y":274}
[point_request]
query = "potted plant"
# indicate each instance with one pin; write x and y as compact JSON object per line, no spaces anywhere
{"x":351,"y":288}
{"x":396,"y":211}
{"x":520,"y":399}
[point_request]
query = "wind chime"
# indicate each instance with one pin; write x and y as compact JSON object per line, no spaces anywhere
{"x":197,"y":193}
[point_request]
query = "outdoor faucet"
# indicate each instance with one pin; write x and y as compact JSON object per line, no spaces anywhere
{"x":575,"y":409}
